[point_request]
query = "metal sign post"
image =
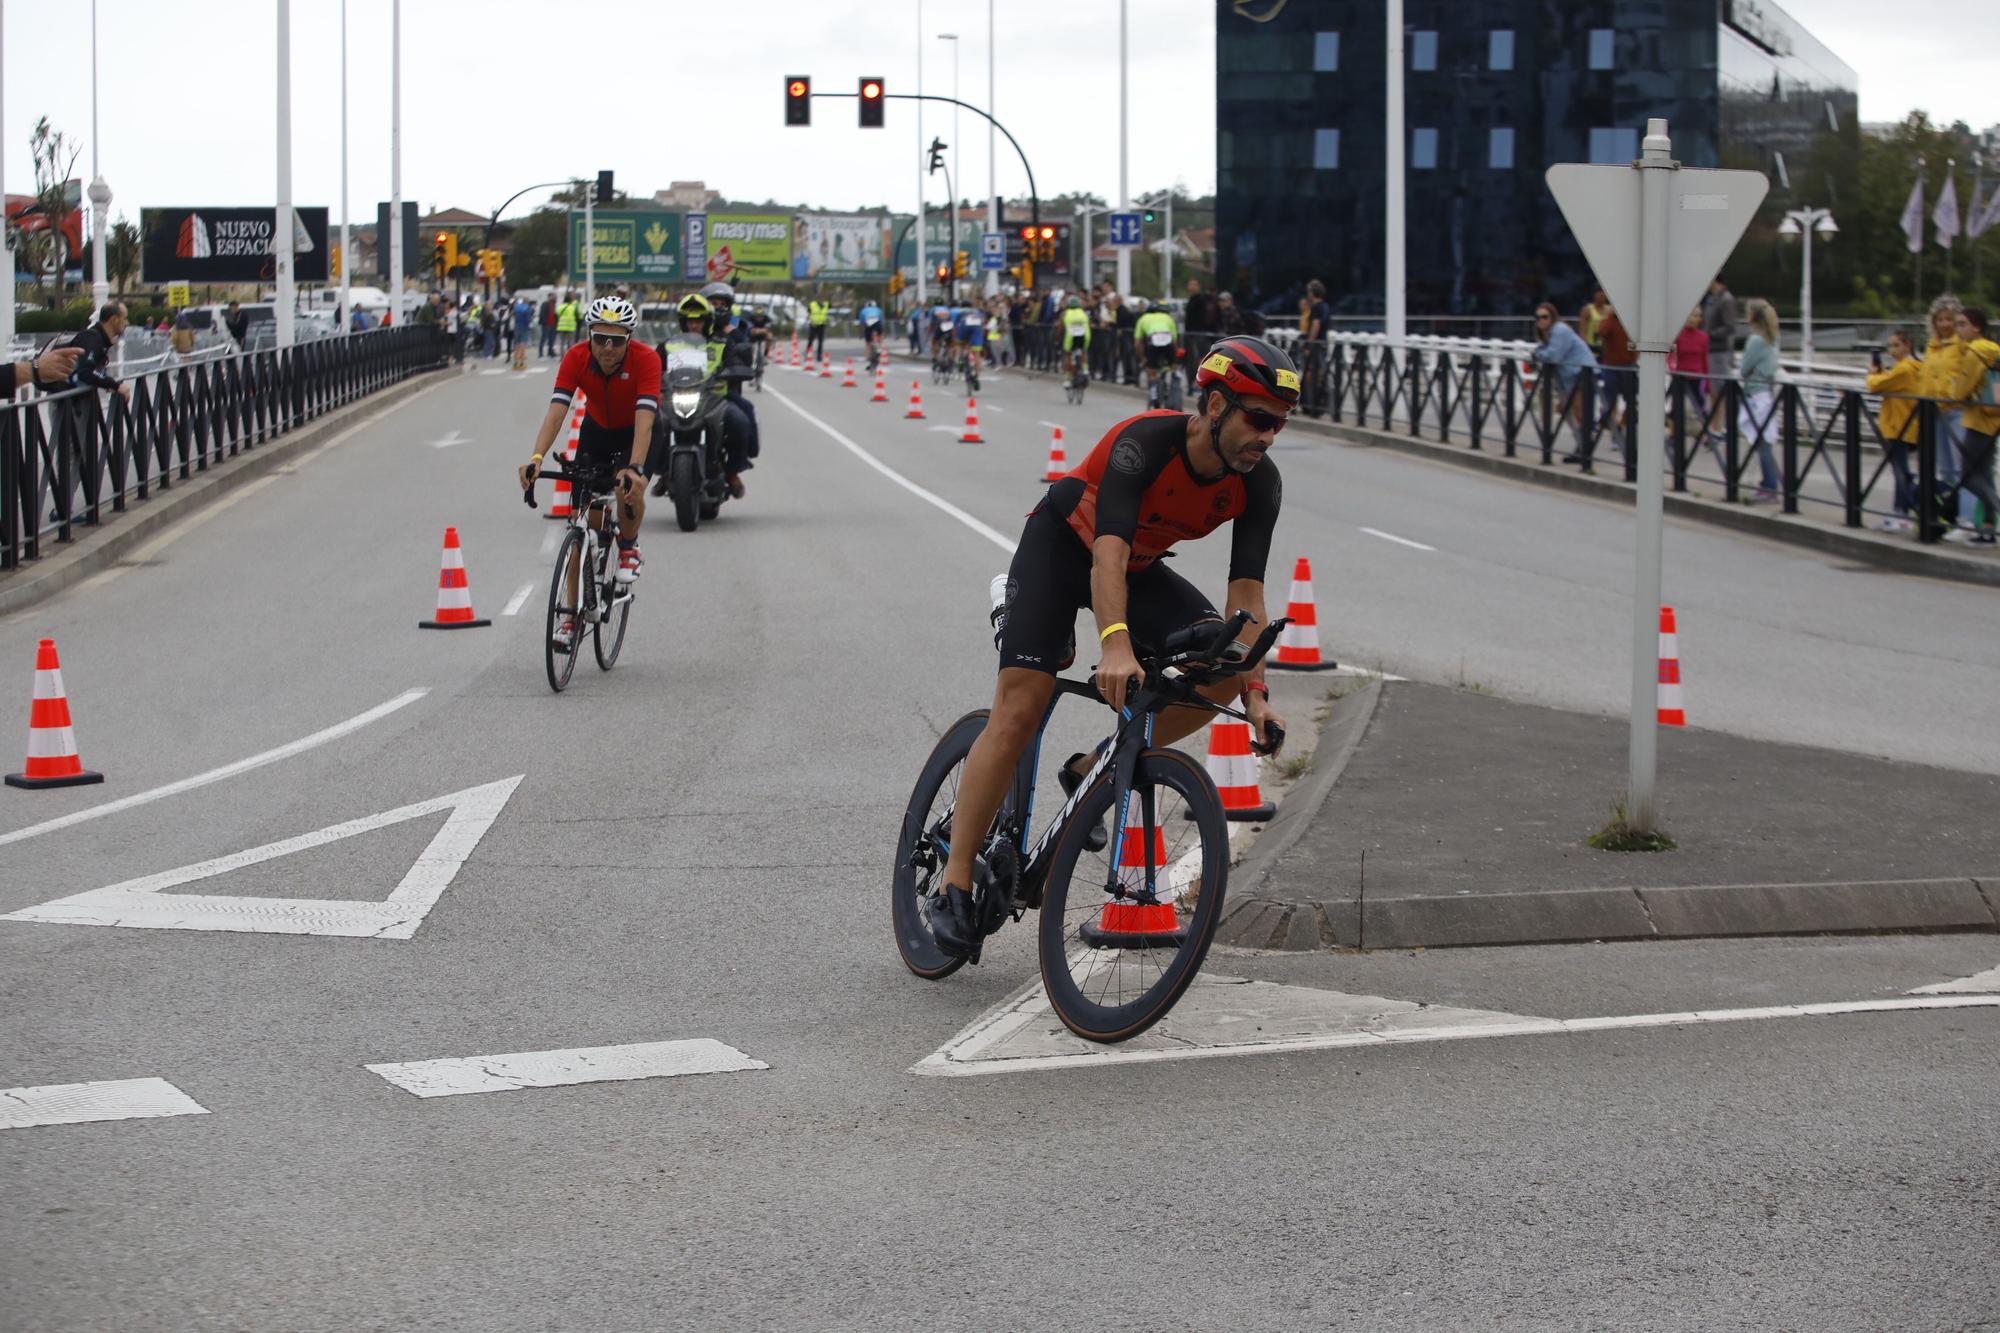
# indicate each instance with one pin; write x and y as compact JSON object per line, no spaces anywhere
{"x":1655,"y":233}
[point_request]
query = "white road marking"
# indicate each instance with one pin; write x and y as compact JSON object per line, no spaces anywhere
{"x":1223,"y":1016}
{"x":554,"y":1069}
{"x":452,"y":440}
{"x":990,"y":533}
{"x":85,"y":1103}
{"x":317,"y":739}
{"x":549,"y":540}
{"x":520,"y":596}
{"x":1978,"y":983}
{"x":496,"y":370}
{"x":1052,"y":425}
{"x":1400,"y":541}
{"x":949,"y":430}
{"x":142,"y":904}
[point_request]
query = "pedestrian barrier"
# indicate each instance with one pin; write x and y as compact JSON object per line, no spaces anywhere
{"x":971,"y":435}
{"x":69,"y":458}
{"x":1298,"y":642}
{"x":916,"y":412}
{"x":1233,"y":768}
{"x":52,"y":757}
{"x":1673,"y":712}
{"x":1058,"y":465}
{"x":454,"y":609}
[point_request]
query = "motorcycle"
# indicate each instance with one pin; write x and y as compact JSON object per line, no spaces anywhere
{"x":688,"y":457}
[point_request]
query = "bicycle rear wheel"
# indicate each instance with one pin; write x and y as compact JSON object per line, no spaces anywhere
{"x":923,"y":846}
{"x":1114,"y":965}
{"x":561,"y":662}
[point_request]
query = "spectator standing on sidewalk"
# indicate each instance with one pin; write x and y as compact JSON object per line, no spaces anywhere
{"x":1618,"y":386}
{"x":1976,"y":386}
{"x":1689,"y":357}
{"x":1566,"y":357}
{"x":1127,"y":350}
{"x":545,"y":320}
{"x":96,"y":343}
{"x":1941,"y":358}
{"x":524,"y":320}
{"x":1898,"y":419}
{"x":1590,"y":318}
{"x":182,"y":337}
{"x":566,"y":320}
{"x":1758,"y":418}
{"x":1718,"y":321}
{"x":237,"y":322}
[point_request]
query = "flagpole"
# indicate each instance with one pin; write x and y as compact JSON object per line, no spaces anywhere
{"x":1919,"y":246}
{"x":1950,"y":165}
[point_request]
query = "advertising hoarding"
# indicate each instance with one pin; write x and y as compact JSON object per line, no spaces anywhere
{"x":227,"y":245}
{"x":749,"y":247}
{"x":833,"y":248}
{"x":631,"y":247}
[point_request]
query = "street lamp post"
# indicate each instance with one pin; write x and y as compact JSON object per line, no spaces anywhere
{"x":396,"y":260}
{"x":100,"y":193}
{"x":1804,"y":222}
{"x":1084,"y":213}
{"x":281,"y":234}
{"x":952,"y":249}
{"x":6,"y":233}
{"x":923,"y":251}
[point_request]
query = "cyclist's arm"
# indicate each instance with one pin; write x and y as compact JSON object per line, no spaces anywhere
{"x":1109,"y":557}
{"x":1250,"y":550}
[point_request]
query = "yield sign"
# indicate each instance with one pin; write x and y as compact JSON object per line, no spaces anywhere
{"x":142,"y":903}
{"x":1706,"y":212}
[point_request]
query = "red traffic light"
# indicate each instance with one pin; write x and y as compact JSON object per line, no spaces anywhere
{"x":797,"y":88}
{"x":798,"y":100}
{"x":1048,"y":233}
{"x":1027,"y":233}
{"x":871,"y":90}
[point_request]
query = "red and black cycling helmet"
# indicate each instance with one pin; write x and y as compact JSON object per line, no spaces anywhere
{"x":1243,"y":365}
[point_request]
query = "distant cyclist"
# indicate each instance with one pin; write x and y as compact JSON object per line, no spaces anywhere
{"x":871,"y":331}
{"x":969,"y":328}
{"x":1157,"y":341}
{"x":941,"y":327}
{"x":620,"y":381}
{"x":759,"y":320}
{"x":1076,"y":335}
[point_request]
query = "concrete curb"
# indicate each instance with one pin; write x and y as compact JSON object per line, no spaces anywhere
{"x":1899,"y":555}
{"x":94,"y":550}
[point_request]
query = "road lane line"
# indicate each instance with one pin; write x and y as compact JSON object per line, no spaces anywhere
{"x":317,"y":739}
{"x":990,"y":533}
{"x":515,"y":602}
{"x":1400,"y":541}
{"x":555,"y":1069}
{"x":86,"y":1103}
{"x":1052,"y":425}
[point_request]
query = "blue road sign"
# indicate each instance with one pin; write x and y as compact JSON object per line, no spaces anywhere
{"x":1124,"y":228}
{"x":992,"y":250}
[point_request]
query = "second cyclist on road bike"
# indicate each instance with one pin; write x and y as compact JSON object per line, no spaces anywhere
{"x":870,"y":317}
{"x":1156,"y":339}
{"x":1076,"y":335}
{"x":620,"y":381}
{"x":1096,"y":540}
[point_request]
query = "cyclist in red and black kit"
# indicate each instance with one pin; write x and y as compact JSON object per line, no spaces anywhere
{"x":620,"y":382}
{"x":1096,"y":540}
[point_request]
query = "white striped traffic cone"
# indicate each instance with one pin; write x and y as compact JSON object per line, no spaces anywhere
{"x":1125,"y":924}
{"x":1673,"y":711}
{"x":1233,"y":767}
{"x":825,"y":366}
{"x":795,"y":347}
{"x":454,"y":591}
{"x":1058,"y":465}
{"x":1298,"y":642}
{"x":847,"y":380}
{"x":52,"y":756}
{"x":881,"y":394}
{"x":916,"y":412}
{"x":559,"y":506}
{"x":971,"y":435}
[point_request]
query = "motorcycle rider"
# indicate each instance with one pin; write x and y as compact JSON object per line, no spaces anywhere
{"x":737,"y":332}
{"x":697,"y":319}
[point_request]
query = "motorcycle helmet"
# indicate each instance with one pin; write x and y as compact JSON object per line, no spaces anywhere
{"x":695,"y":309}
{"x":720,"y":295}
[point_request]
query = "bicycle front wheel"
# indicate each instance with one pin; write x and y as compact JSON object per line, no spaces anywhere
{"x":1124,"y":930}
{"x":561,"y":662}
{"x":924,"y":845}
{"x":607,"y":635}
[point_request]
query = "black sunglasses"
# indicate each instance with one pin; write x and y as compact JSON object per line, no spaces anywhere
{"x":609,"y":339}
{"x":1259,"y":421}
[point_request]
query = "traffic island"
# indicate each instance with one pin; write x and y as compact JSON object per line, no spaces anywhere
{"x":1439,"y":817}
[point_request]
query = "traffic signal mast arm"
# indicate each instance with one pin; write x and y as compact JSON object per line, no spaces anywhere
{"x":1034,"y":199}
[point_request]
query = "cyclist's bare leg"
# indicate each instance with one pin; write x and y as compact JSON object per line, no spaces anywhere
{"x":1019,"y":702}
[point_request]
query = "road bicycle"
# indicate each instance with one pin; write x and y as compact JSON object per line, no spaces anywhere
{"x":944,"y":364}
{"x":601,"y":602}
{"x":1165,"y":390}
{"x":1126,"y":918}
{"x":1079,"y":375}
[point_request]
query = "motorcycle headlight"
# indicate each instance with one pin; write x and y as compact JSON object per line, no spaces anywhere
{"x":686,"y":403}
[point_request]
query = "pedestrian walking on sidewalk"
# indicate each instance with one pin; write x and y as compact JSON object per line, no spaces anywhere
{"x":1757,"y":419}
{"x":1898,"y":420}
{"x":1976,"y":386}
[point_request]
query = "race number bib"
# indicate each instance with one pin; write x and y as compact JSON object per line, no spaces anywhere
{"x":1160,"y":339}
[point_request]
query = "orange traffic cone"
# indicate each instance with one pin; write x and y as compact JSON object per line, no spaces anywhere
{"x":52,"y":756}
{"x":559,"y":507}
{"x":916,"y":411}
{"x":1132,"y":922}
{"x":795,"y":347}
{"x":1058,"y":465}
{"x":454,"y":593}
{"x":1233,"y":768}
{"x":847,"y":380}
{"x":1298,"y":643}
{"x":881,"y":394}
{"x":972,"y":435}
{"x":825,"y":365}
{"x":1673,"y":712}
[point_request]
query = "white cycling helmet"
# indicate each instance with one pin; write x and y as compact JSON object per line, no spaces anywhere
{"x":611,"y":310}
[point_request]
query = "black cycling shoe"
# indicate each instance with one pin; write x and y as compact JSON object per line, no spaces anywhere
{"x":1069,"y":780}
{"x":952,"y":927}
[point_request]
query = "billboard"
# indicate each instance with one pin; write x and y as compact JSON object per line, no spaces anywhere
{"x":227,"y":245}
{"x":630,"y":247}
{"x":749,"y":247}
{"x":830,"y":248}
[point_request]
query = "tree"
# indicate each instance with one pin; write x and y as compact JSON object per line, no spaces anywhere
{"x":541,"y":249}
{"x":44,"y":250}
{"x":121,"y":253}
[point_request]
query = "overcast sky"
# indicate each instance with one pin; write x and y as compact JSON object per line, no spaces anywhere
{"x":692,"y":90}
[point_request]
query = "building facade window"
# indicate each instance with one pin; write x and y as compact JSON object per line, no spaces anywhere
{"x":1500,"y":148}
{"x":1600,"y":48}
{"x":1326,"y":150}
{"x":1614,"y":145}
{"x":1423,"y":150}
{"x":1500,"y":49}
{"x":1326,"y":52}
{"x":1423,"y":50}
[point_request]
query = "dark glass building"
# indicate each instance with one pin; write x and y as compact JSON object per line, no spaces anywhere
{"x":1495,"y":91}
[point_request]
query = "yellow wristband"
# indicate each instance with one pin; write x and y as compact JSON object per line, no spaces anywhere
{"x":536,"y":459}
{"x":1109,"y":630}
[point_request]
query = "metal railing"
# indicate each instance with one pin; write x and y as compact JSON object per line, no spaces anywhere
{"x":68,"y":458}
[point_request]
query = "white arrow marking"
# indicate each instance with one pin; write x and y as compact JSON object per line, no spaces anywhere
{"x":1977,"y":983}
{"x":450,"y":441}
{"x":84,"y":1103}
{"x":143,"y":904}
{"x":555,"y":1069}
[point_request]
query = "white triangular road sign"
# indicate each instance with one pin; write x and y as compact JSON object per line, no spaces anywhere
{"x":143,"y":903}
{"x":1707,"y":212}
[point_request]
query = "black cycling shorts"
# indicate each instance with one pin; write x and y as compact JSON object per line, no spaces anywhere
{"x":1049,"y":582}
{"x":1160,"y":358}
{"x":600,"y":450}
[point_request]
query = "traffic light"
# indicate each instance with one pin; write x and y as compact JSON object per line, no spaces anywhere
{"x":871,"y":103}
{"x":603,"y":188}
{"x":1026,"y":274}
{"x":489,"y":263}
{"x":937,"y":155}
{"x":895,"y":282}
{"x":798,"y":100}
{"x":441,"y":253}
{"x":1149,"y":215}
{"x":943,"y":272}
{"x":958,"y":261}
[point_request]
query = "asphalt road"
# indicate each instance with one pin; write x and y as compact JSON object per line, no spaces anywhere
{"x":698,"y":847}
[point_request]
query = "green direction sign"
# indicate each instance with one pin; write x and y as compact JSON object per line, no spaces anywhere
{"x":630,"y":247}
